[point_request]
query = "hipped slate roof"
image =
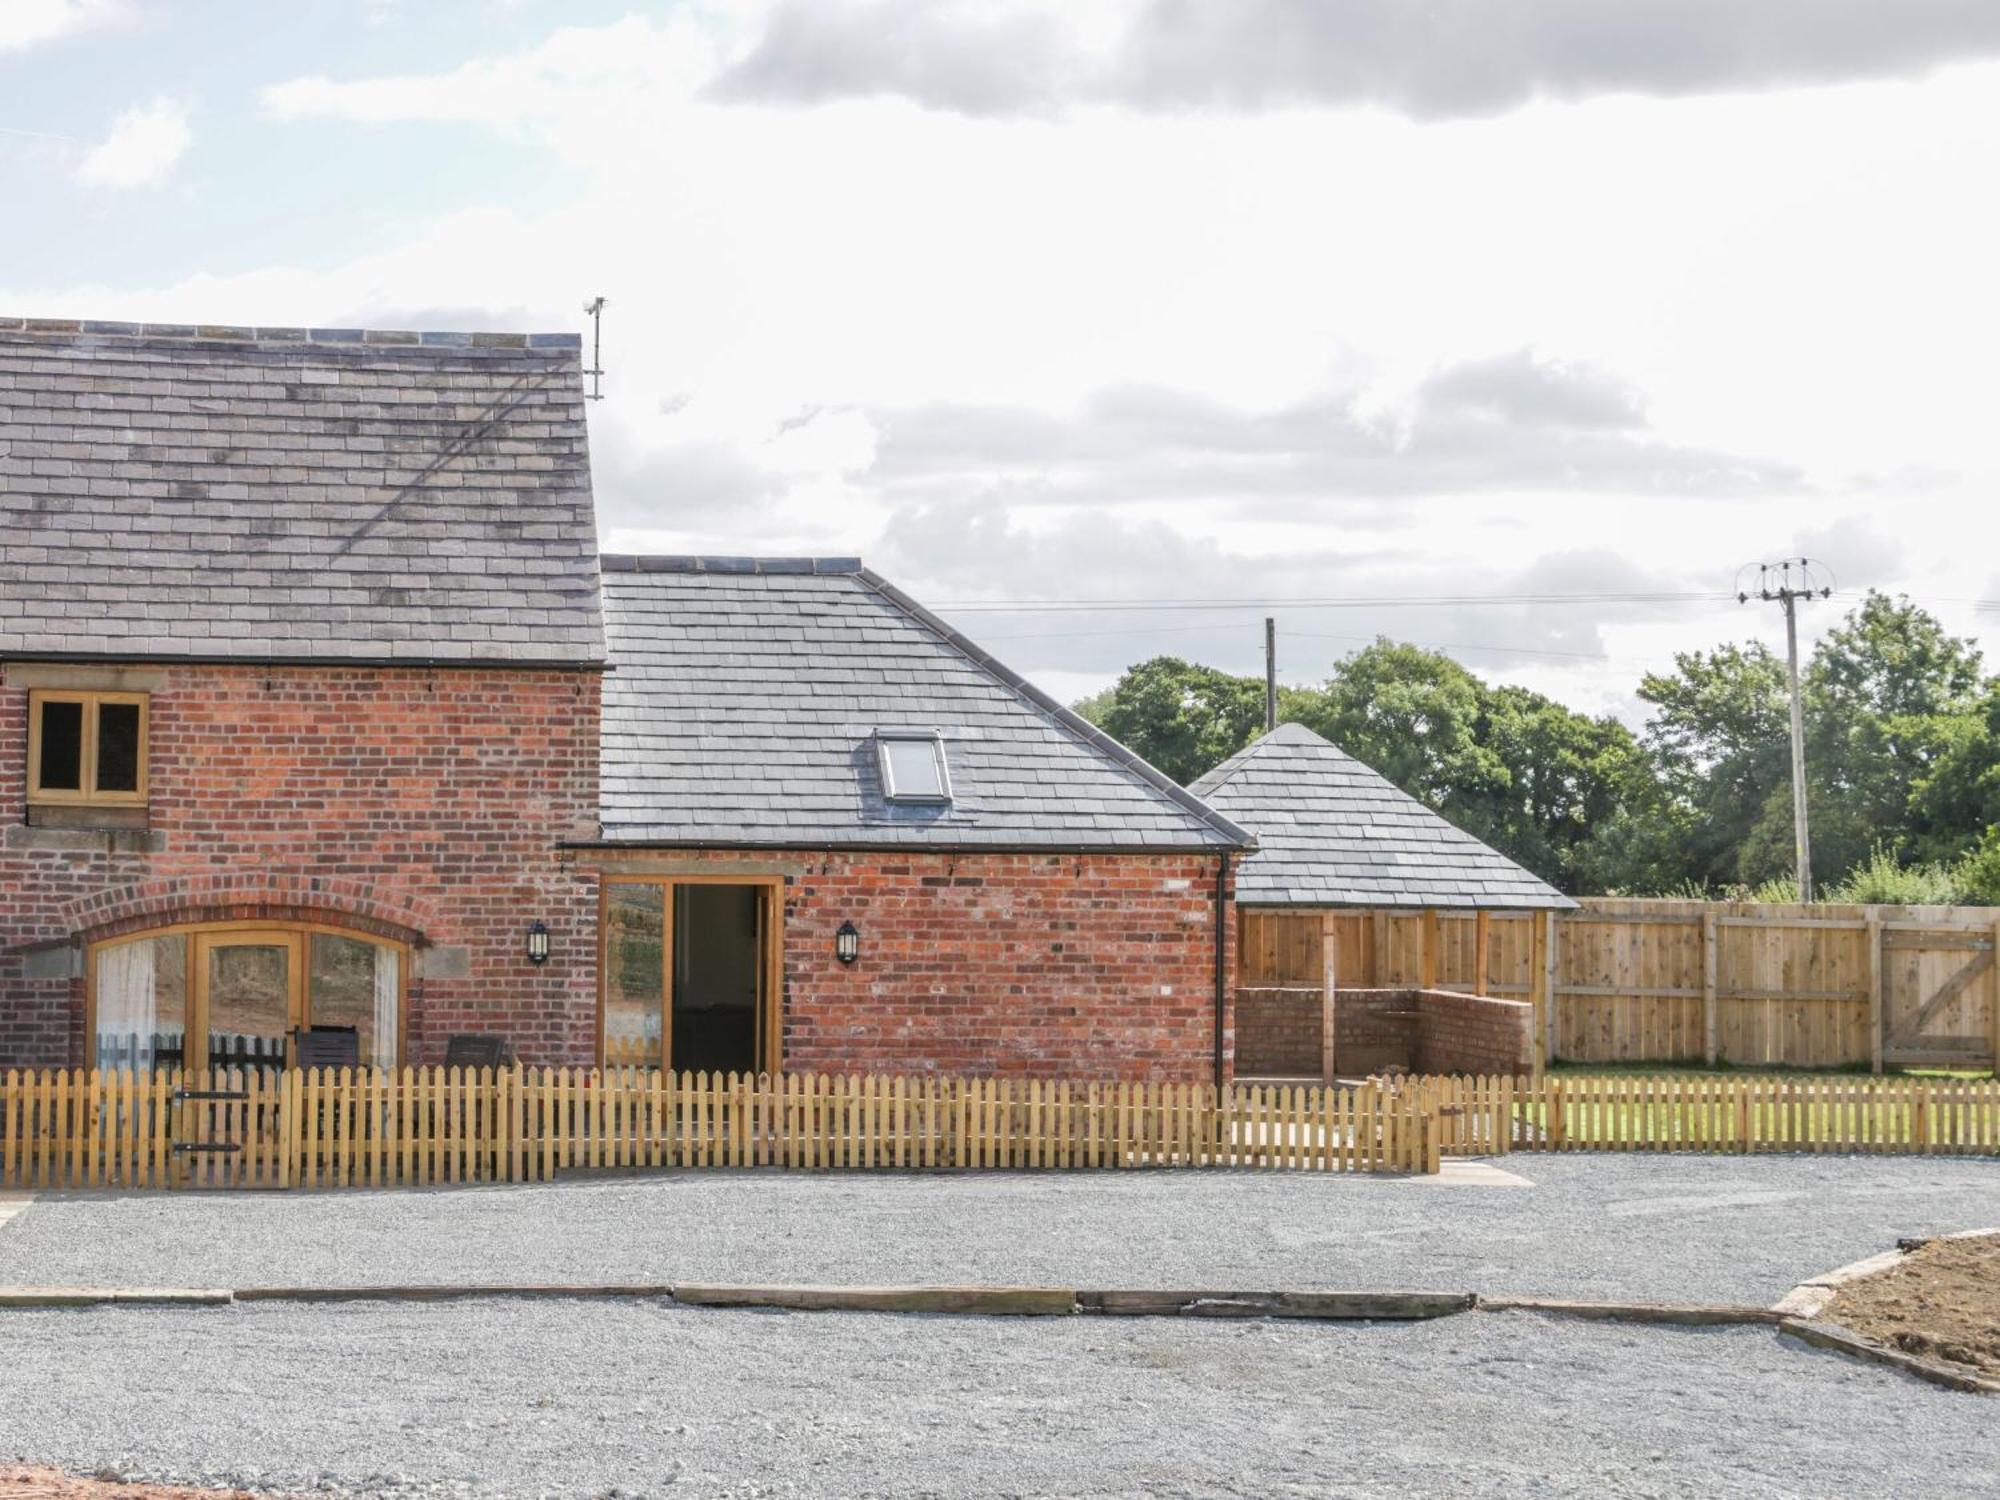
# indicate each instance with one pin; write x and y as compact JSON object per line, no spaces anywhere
{"x":745,"y":695}
{"x":1332,"y":832}
{"x":290,"y":494}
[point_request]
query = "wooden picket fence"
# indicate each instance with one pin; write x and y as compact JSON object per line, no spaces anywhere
{"x":362,"y":1128}
{"x":1690,"y":1112}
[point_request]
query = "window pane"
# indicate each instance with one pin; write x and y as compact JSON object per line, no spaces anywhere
{"x":916,"y":768}
{"x":356,"y":983}
{"x":142,"y":1004}
{"x":635,"y":975}
{"x":117,"y":747}
{"x":249,"y":1004}
{"x":62,"y":747}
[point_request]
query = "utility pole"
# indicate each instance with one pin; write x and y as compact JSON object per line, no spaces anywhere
{"x":1270,"y":674}
{"x":1787,"y":582}
{"x":594,"y":309}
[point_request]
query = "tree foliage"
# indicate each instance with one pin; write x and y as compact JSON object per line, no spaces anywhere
{"x":1902,"y":748}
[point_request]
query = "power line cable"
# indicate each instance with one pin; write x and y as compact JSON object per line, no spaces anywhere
{"x":1372,"y":601}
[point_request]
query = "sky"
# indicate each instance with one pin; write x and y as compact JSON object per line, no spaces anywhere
{"x":1406,"y":317}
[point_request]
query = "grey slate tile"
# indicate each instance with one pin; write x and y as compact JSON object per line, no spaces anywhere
{"x":745,"y":696}
{"x":135,"y":489}
{"x":1333,"y":832}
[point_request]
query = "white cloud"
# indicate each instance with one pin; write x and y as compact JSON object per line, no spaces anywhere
{"x":1304,"y":350}
{"x":1435,"y":59}
{"x":579,"y":73}
{"x":28,"y":23}
{"x":141,"y":150}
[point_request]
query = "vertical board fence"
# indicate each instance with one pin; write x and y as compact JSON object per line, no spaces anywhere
{"x":361,"y":1128}
{"x":1744,"y":983}
{"x":1714,"y":1113}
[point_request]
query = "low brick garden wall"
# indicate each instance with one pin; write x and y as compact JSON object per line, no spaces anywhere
{"x":1421,"y":1031}
{"x":1472,"y":1034}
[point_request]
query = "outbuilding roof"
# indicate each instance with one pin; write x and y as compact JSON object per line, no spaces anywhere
{"x":748,"y":697}
{"x":1332,"y":832}
{"x":294,"y":494}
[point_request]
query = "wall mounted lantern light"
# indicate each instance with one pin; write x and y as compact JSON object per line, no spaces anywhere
{"x":847,"y":943}
{"x":538,"y":943}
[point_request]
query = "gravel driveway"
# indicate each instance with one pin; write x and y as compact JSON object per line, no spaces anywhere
{"x":1682,"y":1228}
{"x":518,"y":1398}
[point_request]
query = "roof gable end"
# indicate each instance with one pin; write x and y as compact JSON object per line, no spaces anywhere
{"x":237,"y":494}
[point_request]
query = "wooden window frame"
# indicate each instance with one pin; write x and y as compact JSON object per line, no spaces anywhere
{"x":198,"y":936}
{"x":771,"y":965}
{"x":87,"y":794}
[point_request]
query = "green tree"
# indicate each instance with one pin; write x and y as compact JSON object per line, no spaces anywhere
{"x":1567,"y":775}
{"x":1182,"y":717}
{"x":1887,"y":696}
{"x":1955,"y":804}
{"x":1413,"y":715}
{"x":1902,"y":749}
{"x":1717,"y":742}
{"x":1887,"y":699}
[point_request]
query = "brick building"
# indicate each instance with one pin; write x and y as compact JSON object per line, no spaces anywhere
{"x":300,"y":652}
{"x":796,"y":751}
{"x":301,"y":659}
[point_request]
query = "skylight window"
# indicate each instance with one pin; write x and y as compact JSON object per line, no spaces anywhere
{"x":913,"y":766}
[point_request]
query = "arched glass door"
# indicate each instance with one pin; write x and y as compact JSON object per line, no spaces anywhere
{"x":240,"y":995}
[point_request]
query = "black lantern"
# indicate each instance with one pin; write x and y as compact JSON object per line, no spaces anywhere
{"x":538,"y":943}
{"x":847,"y":943}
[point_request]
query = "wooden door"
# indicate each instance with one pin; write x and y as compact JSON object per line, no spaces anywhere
{"x":249,"y":997}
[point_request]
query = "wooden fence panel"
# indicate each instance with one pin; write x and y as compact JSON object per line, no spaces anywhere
{"x":1637,"y":981}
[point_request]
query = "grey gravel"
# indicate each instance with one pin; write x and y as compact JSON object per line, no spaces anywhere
{"x":536,"y":1398}
{"x":1676,"y":1228}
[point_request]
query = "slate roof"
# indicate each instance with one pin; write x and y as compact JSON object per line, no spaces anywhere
{"x":745,"y":695}
{"x":1332,"y":832}
{"x":293,"y":494}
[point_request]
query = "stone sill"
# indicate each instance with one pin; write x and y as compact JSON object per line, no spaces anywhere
{"x":106,"y":817}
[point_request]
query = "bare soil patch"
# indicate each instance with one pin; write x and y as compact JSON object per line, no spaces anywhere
{"x":54,"y":1484}
{"x":1942,"y":1302}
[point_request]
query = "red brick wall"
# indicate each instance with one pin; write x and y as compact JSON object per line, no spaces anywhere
{"x":1473,"y":1034}
{"x":1424,"y":1031}
{"x":1373,"y":1030}
{"x":1277,"y":1033}
{"x":1044,"y":965}
{"x":422,"y":804}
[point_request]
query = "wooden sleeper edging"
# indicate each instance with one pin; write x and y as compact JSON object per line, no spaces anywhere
{"x":1010,"y":1301}
{"x":108,"y":1296}
{"x":447,"y":1292}
{"x":1356,"y":1306}
{"x":1686,"y":1314}
{"x":1822,"y":1335}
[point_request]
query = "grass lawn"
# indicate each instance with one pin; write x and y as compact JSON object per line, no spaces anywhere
{"x":1696,"y":1108}
{"x":1695,"y":1068}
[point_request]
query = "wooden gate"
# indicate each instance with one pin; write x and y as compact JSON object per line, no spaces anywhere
{"x":228,"y":1129}
{"x":1938,"y":997}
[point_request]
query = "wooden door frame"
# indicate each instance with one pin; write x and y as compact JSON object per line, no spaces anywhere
{"x":190,"y":934}
{"x":770,"y":956}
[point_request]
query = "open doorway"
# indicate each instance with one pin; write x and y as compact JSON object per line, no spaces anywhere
{"x":718,"y":977}
{"x":691,"y":974}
